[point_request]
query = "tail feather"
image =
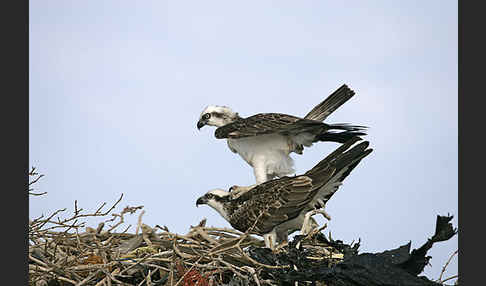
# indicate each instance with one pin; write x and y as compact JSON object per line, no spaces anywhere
{"x":330,"y":104}
{"x":347,"y":127}
{"x":339,"y":137}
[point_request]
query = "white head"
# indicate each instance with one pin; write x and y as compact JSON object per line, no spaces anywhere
{"x":215,"y":115}
{"x":216,"y":199}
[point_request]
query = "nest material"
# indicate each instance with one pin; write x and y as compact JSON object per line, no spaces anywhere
{"x":203,"y":256}
{"x":66,"y":252}
{"x":216,"y":256}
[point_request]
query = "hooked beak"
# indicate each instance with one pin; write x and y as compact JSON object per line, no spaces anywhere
{"x":201,"y":201}
{"x":201,"y":123}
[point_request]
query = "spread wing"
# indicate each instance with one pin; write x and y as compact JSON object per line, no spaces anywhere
{"x":268,"y":123}
{"x":272,"y":203}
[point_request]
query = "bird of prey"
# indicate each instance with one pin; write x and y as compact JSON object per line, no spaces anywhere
{"x":265,"y":140}
{"x":274,"y":208}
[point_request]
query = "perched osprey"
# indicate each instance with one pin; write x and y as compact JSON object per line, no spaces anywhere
{"x":274,"y":208}
{"x":265,"y":140}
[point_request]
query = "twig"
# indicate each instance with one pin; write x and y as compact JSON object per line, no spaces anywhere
{"x":184,"y":275}
{"x":445,"y":266}
{"x":452,"y":277}
{"x":60,"y":249}
{"x":253,"y":273}
{"x":139,"y":224}
{"x":109,"y":277}
{"x":87,"y":279}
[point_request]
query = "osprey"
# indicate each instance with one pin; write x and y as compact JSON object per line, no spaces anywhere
{"x":277,"y":207}
{"x":266,"y":140}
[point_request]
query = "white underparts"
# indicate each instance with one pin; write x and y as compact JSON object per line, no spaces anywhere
{"x":267,"y":154}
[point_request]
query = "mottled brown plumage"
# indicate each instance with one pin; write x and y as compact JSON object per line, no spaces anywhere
{"x":279,"y":205}
{"x":275,"y":201}
{"x":268,"y":123}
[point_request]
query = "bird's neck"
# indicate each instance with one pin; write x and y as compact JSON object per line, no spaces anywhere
{"x":221,"y":209}
{"x":230,"y":118}
{"x":225,"y":119}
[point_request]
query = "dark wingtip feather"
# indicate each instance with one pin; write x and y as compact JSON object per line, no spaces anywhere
{"x":338,"y":161}
{"x":340,"y":137}
{"x":335,"y":154}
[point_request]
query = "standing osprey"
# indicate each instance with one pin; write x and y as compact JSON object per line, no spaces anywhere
{"x":274,"y":208}
{"x":265,"y":140}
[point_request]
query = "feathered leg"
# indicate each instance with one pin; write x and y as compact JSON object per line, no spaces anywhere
{"x":260,"y":170}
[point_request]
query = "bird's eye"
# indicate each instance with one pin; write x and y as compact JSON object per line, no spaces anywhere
{"x":206,"y":116}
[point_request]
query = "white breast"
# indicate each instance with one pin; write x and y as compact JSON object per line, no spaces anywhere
{"x":272,"y":149}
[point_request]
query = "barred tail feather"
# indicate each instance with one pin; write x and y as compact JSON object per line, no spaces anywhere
{"x":330,"y":104}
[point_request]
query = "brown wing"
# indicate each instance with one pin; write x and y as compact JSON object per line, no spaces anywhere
{"x":268,"y":123}
{"x":272,"y":203}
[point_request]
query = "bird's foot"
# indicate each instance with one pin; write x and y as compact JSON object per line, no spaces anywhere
{"x":269,"y":240}
{"x":281,"y":245}
{"x":308,"y":225}
{"x":324,"y":214}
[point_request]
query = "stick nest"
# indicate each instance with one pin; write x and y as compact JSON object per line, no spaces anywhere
{"x":156,"y":256}
{"x":67,"y":252}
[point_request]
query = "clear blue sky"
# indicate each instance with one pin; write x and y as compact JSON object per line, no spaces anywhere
{"x":116,"y":88}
